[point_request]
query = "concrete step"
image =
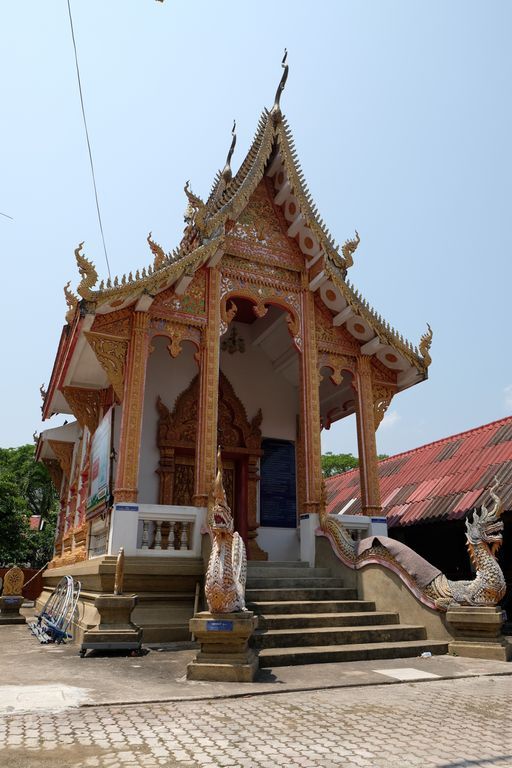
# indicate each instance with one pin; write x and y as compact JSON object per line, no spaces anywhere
{"x":310,"y":606}
{"x":310,"y":582}
{"x":318,"y":636}
{"x":303,"y":593}
{"x":285,"y":657}
{"x":283,"y":573}
{"x":312,"y":620}
{"x":251,"y":564}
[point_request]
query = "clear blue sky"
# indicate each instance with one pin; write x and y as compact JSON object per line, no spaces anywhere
{"x":402,"y":119}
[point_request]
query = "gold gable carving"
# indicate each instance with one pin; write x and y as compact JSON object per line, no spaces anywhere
{"x":382,"y":396}
{"x":179,"y":426}
{"x":192,"y":302}
{"x":64,"y":453}
{"x":260,"y":232}
{"x":111,"y":353}
{"x":55,"y":472}
{"x":85,"y":404}
{"x":114,"y":323}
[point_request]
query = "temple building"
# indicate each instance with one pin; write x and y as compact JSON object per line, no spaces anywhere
{"x":249,"y":335}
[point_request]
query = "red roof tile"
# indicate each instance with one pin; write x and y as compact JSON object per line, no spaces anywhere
{"x":439,"y":481}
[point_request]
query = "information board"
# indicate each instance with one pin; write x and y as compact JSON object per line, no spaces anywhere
{"x":278,"y":505}
{"x":100,"y":462}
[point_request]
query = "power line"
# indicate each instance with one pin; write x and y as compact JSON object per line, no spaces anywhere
{"x":6,"y":216}
{"x":87,"y":135}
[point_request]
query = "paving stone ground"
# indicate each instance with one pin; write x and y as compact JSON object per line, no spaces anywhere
{"x":461,"y":723}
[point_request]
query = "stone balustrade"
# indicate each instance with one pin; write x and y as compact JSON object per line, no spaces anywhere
{"x":156,"y":530}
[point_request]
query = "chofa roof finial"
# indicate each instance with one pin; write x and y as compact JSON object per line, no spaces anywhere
{"x":226,"y":173}
{"x":276,"y":109}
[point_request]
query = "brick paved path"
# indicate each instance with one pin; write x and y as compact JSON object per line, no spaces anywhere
{"x":443,"y":724}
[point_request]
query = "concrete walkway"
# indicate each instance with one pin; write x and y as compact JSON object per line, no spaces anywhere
{"x":36,"y":677}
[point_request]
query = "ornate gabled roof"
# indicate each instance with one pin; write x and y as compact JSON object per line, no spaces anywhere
{"x":272,"y":154}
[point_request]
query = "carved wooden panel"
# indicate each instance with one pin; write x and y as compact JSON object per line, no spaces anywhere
{"x":183,"y":482}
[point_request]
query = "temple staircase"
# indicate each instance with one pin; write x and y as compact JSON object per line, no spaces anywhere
{"x":307,"y":617}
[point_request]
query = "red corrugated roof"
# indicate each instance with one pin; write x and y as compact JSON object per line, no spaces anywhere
{"x":421,"y":484}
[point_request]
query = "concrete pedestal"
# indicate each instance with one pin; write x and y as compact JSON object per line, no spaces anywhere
{"x":115,"y":630}
{"x":10,"y":610}
{"x":225,"y":655}
{"x":477,"y":632}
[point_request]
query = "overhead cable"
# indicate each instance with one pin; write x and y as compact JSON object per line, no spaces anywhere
{"x":87,"y":136}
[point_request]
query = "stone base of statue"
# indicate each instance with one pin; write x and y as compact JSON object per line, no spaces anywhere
{"x":115,"y":632}
{"x":10,"y":610}
{"x":477,"y":632}
{"x":225,"y":655}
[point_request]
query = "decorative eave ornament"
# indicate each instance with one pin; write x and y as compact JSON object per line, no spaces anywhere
{"x":87,"y":273}
{"x":71,"y":301}
{"x":158,"y":252}
{"x":424,"y":346}
{"x":196,"y":208}
{"x":276,"y":109}
{"x":349,"y":248}
{"x":227,"y":174}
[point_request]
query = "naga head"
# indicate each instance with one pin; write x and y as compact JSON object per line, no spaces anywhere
{"x":221,"y":518}
{"x":486,"y":526}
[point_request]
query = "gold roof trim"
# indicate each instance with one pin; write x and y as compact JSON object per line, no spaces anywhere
{"x":237,"y":193}
{"x":71,"y":301}
{"x":304,"y":198}
{"x":229,"y":203}
{"x":152,"y":280}
{"x":386,"y":333}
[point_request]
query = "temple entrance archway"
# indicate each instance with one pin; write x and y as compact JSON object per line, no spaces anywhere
{"x":240,"y":441}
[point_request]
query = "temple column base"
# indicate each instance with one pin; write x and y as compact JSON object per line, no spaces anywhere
{"x":477,"y":632}
{"x":115,"y":630}
{"x":10,"y":610}
{"x":372,"y":511}
{"x":225,"y":655}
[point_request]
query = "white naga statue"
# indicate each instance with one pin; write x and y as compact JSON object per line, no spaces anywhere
{"x":227,"y":567}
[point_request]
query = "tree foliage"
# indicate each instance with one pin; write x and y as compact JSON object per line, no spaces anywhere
{"x":335,"y":463}
{"x":25,"y":489}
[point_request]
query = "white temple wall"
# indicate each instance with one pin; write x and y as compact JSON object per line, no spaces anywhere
{"x":167,"y":377}
{"x":258,"y":386}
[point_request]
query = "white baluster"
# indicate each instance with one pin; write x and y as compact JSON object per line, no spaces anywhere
{"x":145,"y":536}
{"x":171,"y":536}
{"x":158,"y":535}
{"x":184,"y":543}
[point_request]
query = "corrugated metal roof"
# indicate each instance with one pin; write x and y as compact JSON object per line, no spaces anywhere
{"x":441,"y":480}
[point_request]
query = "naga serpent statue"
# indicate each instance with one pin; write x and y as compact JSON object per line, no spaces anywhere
{"x":227,"y":568}
{"x":484,"y":537}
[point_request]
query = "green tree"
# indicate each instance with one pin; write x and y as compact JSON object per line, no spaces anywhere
{"x":25,"y":489}
{"x":335,"y":463}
